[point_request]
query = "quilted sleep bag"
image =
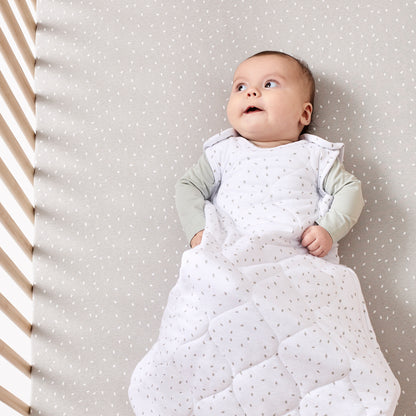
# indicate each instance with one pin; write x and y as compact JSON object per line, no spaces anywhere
{"x":256,"y":326}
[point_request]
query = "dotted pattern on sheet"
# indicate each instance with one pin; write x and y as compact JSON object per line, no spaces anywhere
{"x":127,"y":93}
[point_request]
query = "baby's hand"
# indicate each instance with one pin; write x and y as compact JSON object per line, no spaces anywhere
{"x":196,"y":239}
{"x":317,"y":240}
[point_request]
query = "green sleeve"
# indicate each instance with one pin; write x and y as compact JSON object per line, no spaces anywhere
{"x":347,"y":204}
{"x":191,"y":191}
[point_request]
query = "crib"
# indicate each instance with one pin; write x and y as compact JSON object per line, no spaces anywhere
{"x":104,"y":105}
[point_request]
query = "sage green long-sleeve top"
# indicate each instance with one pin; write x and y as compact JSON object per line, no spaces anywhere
{"x":198,"y":184}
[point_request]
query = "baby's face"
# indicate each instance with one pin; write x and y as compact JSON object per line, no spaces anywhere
{"x":269,"y":102}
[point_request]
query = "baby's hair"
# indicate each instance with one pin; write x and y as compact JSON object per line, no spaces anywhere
{"x":306,"y":72}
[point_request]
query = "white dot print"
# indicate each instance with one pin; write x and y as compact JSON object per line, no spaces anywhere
{"x":127,"y":94}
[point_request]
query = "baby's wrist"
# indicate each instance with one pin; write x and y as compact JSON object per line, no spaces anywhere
{"x":324,"y":228}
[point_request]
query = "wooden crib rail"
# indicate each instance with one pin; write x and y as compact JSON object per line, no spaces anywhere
{"x":17,"y":132}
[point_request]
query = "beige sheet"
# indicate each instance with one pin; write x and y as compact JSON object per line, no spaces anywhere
{"x":127,"y":93}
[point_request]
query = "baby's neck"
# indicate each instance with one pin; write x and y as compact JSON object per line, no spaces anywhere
{"x":272,"y":143}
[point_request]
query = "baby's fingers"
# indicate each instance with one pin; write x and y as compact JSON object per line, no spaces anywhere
{"x":197,"y":239}
{"x":319,"y":252}
{"x":308,"y":237}
{"x":314,"y":246}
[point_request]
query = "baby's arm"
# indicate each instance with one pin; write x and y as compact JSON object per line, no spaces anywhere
{"x":343,"y":214}
{"x":192,"y":190}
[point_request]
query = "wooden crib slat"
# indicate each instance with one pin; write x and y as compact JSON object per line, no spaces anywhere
{"x":14,"y":230}
{"x":17,"y":191}
{"x":14,"y":402}
{"x":15,"y":273}
{"x":15,"y":316}
{"x":17,"y":151}
{"x":10,"y":355}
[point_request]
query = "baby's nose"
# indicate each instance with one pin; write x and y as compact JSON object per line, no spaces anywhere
{"x":252,"y":92}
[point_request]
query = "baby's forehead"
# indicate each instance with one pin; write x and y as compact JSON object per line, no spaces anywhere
{"x":279,"y":64}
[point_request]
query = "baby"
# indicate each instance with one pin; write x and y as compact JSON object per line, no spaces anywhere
{"x":257,"y":322}
{"x":270,"y":105}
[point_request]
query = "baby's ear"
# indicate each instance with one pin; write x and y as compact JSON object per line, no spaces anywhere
{"x":306,"y":116}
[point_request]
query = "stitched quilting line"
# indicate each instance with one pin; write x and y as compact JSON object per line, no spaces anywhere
{"x":279,"y":346}
{"x":275,"y":354}
{"x":230,"y":385}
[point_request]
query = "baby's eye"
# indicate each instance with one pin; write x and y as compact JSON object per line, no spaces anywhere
{"x":270,"y":84}
{"x":241,"y":87}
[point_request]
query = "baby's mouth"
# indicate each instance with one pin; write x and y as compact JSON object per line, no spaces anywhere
{"x":252,"y":109}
